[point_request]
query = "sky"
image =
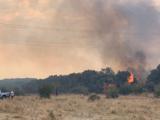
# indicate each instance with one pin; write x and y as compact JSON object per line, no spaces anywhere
{"x":39,"y":38}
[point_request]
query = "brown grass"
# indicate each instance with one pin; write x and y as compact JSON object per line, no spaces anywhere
{"x":76,"y":107}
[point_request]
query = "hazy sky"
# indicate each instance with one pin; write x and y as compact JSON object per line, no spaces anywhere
{"x":43,"y":37}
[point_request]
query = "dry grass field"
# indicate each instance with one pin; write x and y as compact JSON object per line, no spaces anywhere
{"x":76,"y":107}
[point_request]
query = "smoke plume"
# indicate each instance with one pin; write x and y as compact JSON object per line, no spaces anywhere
{"x":121,"y":31}
{"x":38,"y":37}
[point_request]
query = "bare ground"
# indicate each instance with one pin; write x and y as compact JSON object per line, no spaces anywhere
{"x":77,"y":107}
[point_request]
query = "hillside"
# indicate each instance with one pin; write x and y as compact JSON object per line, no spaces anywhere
{"x":16,"y":83}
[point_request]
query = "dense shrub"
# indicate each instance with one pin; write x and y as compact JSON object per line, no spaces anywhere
{"x":113,"y":93}
{"x":51,"y":115}
{"x":157,"y":91}
{"x":138,"y":88}
{"x":131,"y":89}
{"x":93,"y":97}
{"x":125,"y":90}
{"x":149,"y":86}
{"x":45,"y":91}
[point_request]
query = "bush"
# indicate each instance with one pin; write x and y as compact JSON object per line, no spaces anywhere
{"x":138,"y":89}
{"x":125,"y":90}
{"x":112,"y":93}
{"x":129,"y":89}
{"x":93,"y":97}
{"x":149,"y":86}
{"x":45,"y":91}
{"x":157,"y":91}
{"x":51,"y":115}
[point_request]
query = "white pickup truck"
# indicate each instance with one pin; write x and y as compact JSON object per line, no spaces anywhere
{"x":6,"y":94}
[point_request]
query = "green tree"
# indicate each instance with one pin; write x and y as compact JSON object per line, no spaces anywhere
{"x":45,"y":91}
{"x":154,"y":76}
{"x":121,"y":78}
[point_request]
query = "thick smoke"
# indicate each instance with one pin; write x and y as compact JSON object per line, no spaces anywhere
{"x":62,"y":36}
{"x":122,"y":30}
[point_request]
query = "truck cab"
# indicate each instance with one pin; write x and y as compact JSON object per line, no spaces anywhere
{"x":4,"y":94}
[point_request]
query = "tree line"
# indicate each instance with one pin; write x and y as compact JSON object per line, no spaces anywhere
{"x":89,"y":81}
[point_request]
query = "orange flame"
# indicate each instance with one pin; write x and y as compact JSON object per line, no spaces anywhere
{"x":131,"y":78}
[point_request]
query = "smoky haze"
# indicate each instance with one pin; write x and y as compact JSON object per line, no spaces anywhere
{"x":123,"y":30}
{"x":40,"y":37}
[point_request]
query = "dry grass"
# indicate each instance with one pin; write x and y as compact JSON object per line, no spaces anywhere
{"x":76,"y":107}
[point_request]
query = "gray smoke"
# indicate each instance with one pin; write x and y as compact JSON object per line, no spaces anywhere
{"x":63,"y":36}
{"x":121,"y":31}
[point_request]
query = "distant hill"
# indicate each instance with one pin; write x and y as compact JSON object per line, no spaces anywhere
{"x":16,"y":83}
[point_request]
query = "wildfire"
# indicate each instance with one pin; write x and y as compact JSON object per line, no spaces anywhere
{"x":131,"y":78}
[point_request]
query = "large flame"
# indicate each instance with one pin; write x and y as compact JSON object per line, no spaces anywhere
{"x":131,"y":78}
